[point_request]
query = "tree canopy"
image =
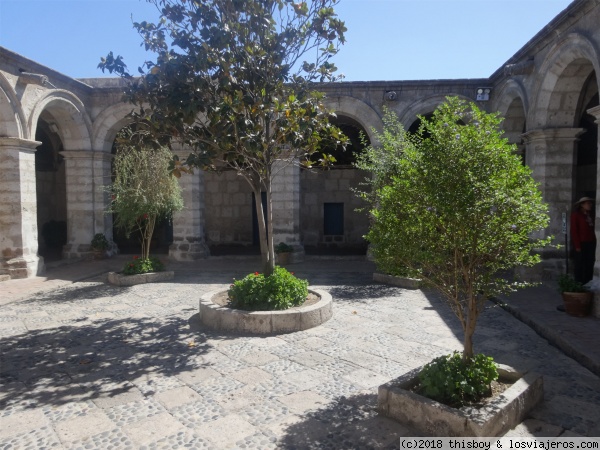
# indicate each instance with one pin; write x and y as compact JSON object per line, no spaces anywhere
{"x":234,"y":81}
{"x":143,"y":189}
{"x":453,"y":205}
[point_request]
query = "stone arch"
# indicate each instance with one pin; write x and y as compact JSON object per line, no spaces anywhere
{"x":424,"y":106}
{"x":108,"y":123}
{"x":511,"y":103}
{"x":556,"y":101}
{"x":358,"y":111}
{"x":70,"y":117}
{"x":12,"y":118}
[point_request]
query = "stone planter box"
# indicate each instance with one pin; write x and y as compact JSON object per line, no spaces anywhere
{"x":119,"y":279}
{"x":435,"y":419}
{"x":222,"y":318}
{"x":406,"y":283}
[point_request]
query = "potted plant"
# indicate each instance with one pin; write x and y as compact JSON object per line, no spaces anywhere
{"x":576,"y":297}
{"x":283,"y":251}
{"x":99,"y":245}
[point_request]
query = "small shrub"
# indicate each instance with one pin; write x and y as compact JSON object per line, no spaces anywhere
{"x":449,"y":380}
{"x":282,"y":247}
{"x":566,"y":283}
{"x":143,"y":265}
{"x":281,"y":290}
{"x":99,"y":242}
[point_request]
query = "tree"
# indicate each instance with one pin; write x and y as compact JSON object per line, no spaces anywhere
{"x":233,"y":85}
{"x":454,"y":205}
{"x":143,"y":190}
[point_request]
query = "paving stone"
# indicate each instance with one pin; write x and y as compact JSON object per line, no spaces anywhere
{"x":365,"y":378}
{"x":226,"y":431}
{"x":251,"y":375}
{"x":177,"y":396}
{"x":115,"y":395}
{"x":22,"y":422}
{"x":195,"y":376}
{"x":301,"y":402}
{"x":152,"y":429}
{"x":83,"y":427}
{"x":258,"y":358}
{"x":311,"y":358}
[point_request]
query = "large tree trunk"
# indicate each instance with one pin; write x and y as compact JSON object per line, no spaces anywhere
{"x":270,"y":246}
{"x":262,"y":232}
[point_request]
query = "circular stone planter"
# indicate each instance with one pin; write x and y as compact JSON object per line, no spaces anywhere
{"x":119,"y":279}
{"x":223,"y":318}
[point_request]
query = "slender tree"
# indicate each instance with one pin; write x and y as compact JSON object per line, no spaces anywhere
{"x":234,"y":80}
{"x":454,"y":205}
{"x":143,"y":190}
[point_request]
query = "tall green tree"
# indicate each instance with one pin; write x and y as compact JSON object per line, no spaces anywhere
{"x":454,"y":205}
{"x":143,"y":190}
{"x":234,"y":80}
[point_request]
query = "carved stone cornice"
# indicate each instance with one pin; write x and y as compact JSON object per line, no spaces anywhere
{"x":553,"y":134}
{"x":26,"y":145}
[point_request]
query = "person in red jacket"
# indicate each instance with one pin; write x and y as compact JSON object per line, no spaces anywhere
{"x":583,"y":238}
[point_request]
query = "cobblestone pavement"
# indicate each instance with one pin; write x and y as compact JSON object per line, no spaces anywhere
{"x":89,"y":365}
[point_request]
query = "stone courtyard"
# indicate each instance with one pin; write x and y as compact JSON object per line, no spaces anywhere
{"x":89,"y":365}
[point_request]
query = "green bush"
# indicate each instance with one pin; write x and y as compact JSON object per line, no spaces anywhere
{"x":143,"y":265}
{"x":449,"y":380}
{"x":282,"y":247}
{"x":566,"y":283}
{"x":281,"y":290}
{"x":99,"y":242}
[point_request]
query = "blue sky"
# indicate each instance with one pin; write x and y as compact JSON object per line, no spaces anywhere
{"x":387,"y":39}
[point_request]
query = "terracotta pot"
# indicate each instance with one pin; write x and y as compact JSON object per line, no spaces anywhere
{"x":578,"y":304}
{"x":283,"y":258}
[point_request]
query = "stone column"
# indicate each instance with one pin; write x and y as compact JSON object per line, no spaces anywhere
{"x":103,"y":221}
{"x":595,"y":283}
{"x":285,"y":195}
{"x":188,"y":224}
{"x":80,"y":203}
{"x":18,"y":209}
{"x":551,"y":154}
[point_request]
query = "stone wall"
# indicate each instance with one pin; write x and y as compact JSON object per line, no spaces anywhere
{"x":332,"y":186}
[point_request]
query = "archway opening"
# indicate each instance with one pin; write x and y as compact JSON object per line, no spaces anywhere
{"x":329,"y":221}
{"x":51,"y":190}
{"x":587,"y":146}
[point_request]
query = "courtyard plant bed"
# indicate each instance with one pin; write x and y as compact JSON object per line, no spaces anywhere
{"x":493,"y":416}
{"x":399,"y":281}
{"x":217,"y":314}
{"x":140,"y":271}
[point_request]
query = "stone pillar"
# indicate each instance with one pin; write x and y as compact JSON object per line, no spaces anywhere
{"x":103,"y":221}
{"x":80,"y":203}
{"x":551,"y":154}
{"x":18,"y":209}
{"x":188,"y":224}
{"x":285,"y":195}
{"x":595,"y":283}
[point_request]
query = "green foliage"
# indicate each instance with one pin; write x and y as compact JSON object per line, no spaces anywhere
{"x":454,"y":203}
{"x":143,"y":189}
{"x":282,"y":247}
{"x":280,"y":290}
{"x":566,"y":283}
{"x":143,"y":265}
{"x":231,"y":82}
{"x":452,"y":381}
{"x":99,"y":242}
